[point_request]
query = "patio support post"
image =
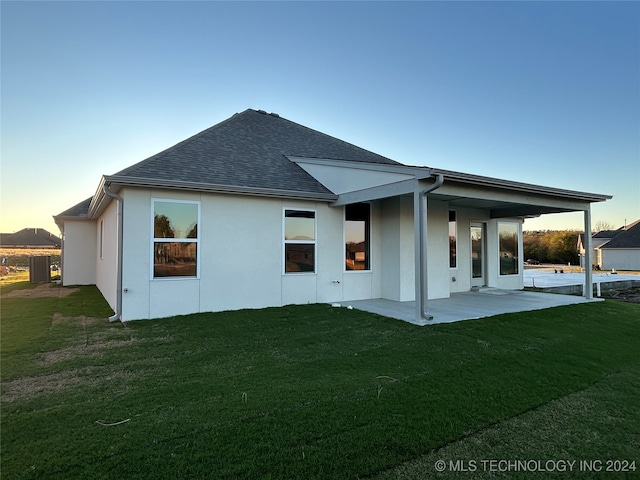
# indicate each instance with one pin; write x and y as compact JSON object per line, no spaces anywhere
{"x":420,"y":239}
{"x":588,"y":261}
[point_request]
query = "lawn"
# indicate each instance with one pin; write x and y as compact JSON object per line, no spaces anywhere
{"x":313,"y":392}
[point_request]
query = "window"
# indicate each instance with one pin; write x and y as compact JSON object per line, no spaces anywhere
{"x":175,"y":238}
{"x":101,"y":240}
{"x":509,"y":252}
{"x":299,"y":241}
{"x":357,"y":236}
{"x":453,"y":239}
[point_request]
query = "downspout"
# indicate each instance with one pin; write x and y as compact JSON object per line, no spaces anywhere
{"x":423,"y":300}
{"x":588,"y":261}
{"x":117,"y":198}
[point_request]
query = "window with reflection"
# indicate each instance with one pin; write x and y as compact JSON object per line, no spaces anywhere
{"x":299,"y":241}
{"x":453,"y":239}
{"x":175,"y":238}
{"x":509,"y":250}
{"x":357,"y":218}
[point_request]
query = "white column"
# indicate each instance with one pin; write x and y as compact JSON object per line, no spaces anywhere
{"x":588,"y":261}
{"x":417,"y":234}
{"x":421,"y":272}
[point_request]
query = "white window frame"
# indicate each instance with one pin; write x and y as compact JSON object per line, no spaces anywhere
{"x":344,"y":241}
{"x":456,"y":233}
{"x":101,"y":240}
{"x":285,"y":242}
{"x":519,"y":247}
{"x":172,"y":240}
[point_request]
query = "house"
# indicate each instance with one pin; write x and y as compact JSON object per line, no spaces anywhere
{"x":615,"y":249}
{"x":30,"y":238}
{"x":260,"y":211}
{"x":597,"y":239}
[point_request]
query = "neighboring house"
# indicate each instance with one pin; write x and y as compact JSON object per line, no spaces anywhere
{"x":622,"y":250}
{"x":30,"y":238}
{"x":597,"y":239}
{"x":259,"y":211}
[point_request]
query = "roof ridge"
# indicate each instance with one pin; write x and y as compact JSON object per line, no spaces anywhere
{"x":329,"y":136}
{"x":168,"y":150}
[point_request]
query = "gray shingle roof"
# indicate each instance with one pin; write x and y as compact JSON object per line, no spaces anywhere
{"x":30,"y":237}
{"x":248,"y":150}
{"x":79,"y":210}
{"x":629,"y":238}
{"x":607,"y":233}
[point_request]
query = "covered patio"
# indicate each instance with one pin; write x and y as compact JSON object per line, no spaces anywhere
{"x":485,"y":302}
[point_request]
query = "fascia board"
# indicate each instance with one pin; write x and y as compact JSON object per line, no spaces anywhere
{"x":490,"y":182}
{"x":419,"y":173}
{"x":215,"y":188}
{"x":375,"y":193}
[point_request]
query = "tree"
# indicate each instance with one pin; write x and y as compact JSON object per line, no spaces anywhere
{"x":193,"y":231}
{"x":551,"y":246}
{"x":601,"y":225}
{"x":162,"y":227}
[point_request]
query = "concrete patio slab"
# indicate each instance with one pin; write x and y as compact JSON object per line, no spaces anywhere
{"x":547,"y":277}
{"x":486,"y":302}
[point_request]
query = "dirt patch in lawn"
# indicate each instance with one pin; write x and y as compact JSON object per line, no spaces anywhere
{"x":82,"y":351}
{"x":28,"y":388}
{"x":43,"y":290}
{"x":59,"y":319}
{"x":32,"y":387}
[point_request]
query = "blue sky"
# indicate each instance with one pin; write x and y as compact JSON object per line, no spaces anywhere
{"x":539,"y":92}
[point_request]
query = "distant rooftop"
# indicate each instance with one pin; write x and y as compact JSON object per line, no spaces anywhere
{"x":29,"y":238}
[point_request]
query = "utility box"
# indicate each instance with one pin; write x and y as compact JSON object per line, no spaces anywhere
{"x":39,"y":268}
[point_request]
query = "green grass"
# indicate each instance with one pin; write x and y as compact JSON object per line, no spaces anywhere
{"x":310,"y":391}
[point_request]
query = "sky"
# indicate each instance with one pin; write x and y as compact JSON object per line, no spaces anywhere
{"x":546,"y":93}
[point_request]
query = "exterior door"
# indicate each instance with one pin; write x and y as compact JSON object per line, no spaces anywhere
{"x":477,"y":255}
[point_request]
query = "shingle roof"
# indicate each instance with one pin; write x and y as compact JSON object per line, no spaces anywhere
{"x":627,"y":238}
{"x":79,"y":210}
{"x":607,"y":233}
{"x":30,"y":237}
{"x":248,"y":150}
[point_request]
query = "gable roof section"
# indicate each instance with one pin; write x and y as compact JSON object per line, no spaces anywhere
{"x":627,"y":238}
{"x":247,"y":151}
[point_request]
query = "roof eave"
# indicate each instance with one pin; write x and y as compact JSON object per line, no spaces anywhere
{"x":479,"y":180}
{"x":216,"y":188}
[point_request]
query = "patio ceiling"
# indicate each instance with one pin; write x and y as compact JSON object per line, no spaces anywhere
{"x":502,"y":209}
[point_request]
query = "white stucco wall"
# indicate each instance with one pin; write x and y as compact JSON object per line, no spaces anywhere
{"x":106,"y":248}
{"x":241,"y":257}
{"x":397,"y":275}
{"x":620,"y":258}
{"x":438,"y":249}
{"x":79,"y":253}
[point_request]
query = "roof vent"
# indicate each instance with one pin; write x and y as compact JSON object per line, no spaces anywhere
{"x":262,"y":112}
{"x":273,"y":114}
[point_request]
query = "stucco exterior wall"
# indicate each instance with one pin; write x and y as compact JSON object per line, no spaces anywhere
{"x":241,"y":257}
{"x":79,"y":255}
{"x":438,"y":249}
{"x":397,"y":272}
{"x":620,"y":258}
{"x":106,"y":246}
